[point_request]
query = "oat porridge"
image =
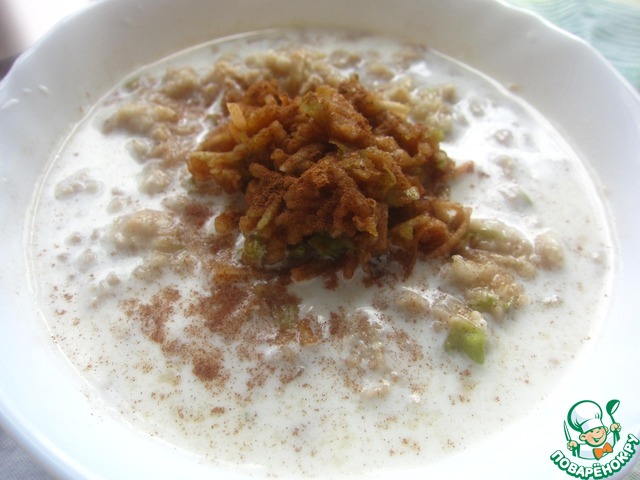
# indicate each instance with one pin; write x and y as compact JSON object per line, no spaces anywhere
{"x":164,"y":291}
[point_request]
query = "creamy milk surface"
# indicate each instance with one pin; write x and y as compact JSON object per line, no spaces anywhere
{"x":128,"y":306}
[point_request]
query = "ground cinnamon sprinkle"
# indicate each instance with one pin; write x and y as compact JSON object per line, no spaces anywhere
{"x":208,"y":366}
{"x":154,"y":315}
{"x":331,"y":179}
{"x":225,"y":309}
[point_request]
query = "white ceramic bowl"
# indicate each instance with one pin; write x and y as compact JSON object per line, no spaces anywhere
{"x":42,"y":399}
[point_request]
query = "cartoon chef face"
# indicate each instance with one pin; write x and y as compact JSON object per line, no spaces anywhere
{"x":595,"y":437}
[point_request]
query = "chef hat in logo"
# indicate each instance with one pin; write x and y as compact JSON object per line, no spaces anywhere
{"x":585,"y":415}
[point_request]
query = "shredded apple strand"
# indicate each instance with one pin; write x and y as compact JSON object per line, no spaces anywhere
{"x":331,"y":178}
